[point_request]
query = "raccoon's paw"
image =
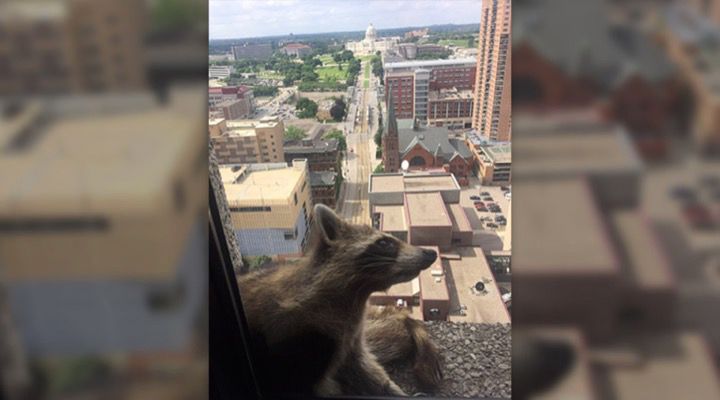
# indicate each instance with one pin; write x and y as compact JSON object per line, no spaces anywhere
{"x":419,"y":394}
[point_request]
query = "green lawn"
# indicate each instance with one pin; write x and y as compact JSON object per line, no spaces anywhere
{"x":326,"y":59}
{"x":454,"y":42}
{"x":365,"y":58}
{"x":366,"y":83}
{"x":331,"y":74}
{"x":367,"y":70}
{"x":269,"y":75}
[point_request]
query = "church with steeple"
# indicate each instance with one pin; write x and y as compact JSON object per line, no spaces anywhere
{"x":423,"y":147}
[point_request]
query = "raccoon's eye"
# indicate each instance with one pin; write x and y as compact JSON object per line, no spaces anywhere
{"x":386,"y":244}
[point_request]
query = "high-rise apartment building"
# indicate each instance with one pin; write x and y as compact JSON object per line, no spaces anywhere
{"x":492,"y":108}
{"x":71,"y":46}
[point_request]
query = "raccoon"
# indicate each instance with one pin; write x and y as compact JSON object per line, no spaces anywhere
{"x":308,"y":326}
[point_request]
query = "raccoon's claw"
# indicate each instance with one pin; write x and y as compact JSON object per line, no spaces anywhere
{"x":419,"y":394}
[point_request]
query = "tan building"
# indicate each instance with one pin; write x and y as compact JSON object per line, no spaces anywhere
{"x":492,"y":106}
{"x":270,"y":207}
{"x":494,"y":164}
{"x":248,"y":141}
{"x":114,"y":236}
{"x":71,"y":46}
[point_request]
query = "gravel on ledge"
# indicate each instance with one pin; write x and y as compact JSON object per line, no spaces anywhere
{"x":476,"y":360}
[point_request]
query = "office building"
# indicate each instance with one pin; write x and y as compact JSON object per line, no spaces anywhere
{"x":71,"y":46}
{"x":247,"y":141}
{"x":298,"y":50}
{"x":231,"y":102}
{"x":492,"y":108}
{"x":412,"y":81}
{"x":494,"y":164}
{"x":451,"y":108}
{"x":324,"y":187}
{"x":270,"y":207}
{"x":220,"y":71}
{"x":321,"y":154}
{"x":247,"y":51}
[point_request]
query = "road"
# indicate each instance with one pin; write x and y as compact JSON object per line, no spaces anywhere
{"x":353,"y":204}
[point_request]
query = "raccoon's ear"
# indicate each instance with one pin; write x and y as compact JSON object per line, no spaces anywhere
{"x":328,"y":223}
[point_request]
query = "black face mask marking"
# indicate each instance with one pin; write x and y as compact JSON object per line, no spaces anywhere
{"x":383,"y":251}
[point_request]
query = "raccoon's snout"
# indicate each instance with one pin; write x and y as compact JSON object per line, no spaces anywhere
{"x":428,"y":257}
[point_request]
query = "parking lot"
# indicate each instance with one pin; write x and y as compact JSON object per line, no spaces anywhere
{"x":486,"y":234}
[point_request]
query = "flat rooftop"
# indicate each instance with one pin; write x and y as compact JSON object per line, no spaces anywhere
{"x":459,"y":219}
{"x":449,"y":94}
{"x":499,"y":152}
{"x":253,"y":187}
{"x":429,"y":63}
{"x":132,"y":154}
{"x":545,"y":225}
{"x":571,"y":145}
{"x":430,"y":288}
{"x":426,"y":209}
{"x":674,"y":366}
{"x":647,"y":265}
{"x":393,"y":218}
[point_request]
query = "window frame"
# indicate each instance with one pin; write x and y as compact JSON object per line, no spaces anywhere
{"x":231,"y":372}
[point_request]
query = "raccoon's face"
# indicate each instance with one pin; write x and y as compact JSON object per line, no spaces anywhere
{"x":365,"y":255}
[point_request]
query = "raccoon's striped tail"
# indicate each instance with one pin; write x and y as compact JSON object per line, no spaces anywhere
{"x":392,"y":335}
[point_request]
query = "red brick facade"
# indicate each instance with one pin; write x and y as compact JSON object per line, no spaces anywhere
{"x":421,"y":159}
{"x":403,"y":94}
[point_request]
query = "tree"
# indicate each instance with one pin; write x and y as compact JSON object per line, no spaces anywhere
{"x":379,"y":169}
{"x":294,"y":133}
{"x":378,"y":136}
{"x":337,"y":134}
{"x":346,"y":55}
{"x":306,"y":107}
{"x":337,"y":58}
{"x":337,"y":111}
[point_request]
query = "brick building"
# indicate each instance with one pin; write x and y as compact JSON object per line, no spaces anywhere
{"x":451,"y":108}
{"x":323,"y":185}
{"x":231,"y":102}
{"x":412,"y":81}
{"x":321,"y":155}
{"x":424,"y":148}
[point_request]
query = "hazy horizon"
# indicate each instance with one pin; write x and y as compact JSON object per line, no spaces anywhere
{"x":236,"y":19}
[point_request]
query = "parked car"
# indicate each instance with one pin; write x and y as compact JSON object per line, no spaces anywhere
{"x":505,"y":188}
{"x":474,"y":197}
{"x":682,"y":192}
{"x":484,"y":193}
{"x":476,"y":203}
{"x":508,"y":195}
{"x":487,"y":198}
{"x":499,"y":218}
{"x":491,"y":225}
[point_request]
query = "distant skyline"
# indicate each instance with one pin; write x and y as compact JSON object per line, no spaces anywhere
{"x":230,"y":19}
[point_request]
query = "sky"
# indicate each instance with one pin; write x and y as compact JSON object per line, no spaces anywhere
{"x":231,"y":19}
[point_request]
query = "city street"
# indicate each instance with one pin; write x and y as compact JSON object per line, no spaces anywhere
{"x":353,"y":203}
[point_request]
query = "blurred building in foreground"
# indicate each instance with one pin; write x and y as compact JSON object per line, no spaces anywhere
{"x":71,"y":46}
{"x":492,"y":106}
{"x":102,"y":262}
{"x":270,"y":205}
{"x":693,"y":43}
{"x":615,"y":67}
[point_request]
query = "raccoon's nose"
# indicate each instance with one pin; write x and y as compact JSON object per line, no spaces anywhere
{"x":429,"y":256}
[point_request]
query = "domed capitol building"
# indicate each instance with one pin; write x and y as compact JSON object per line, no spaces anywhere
{"x":371,"y":43}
